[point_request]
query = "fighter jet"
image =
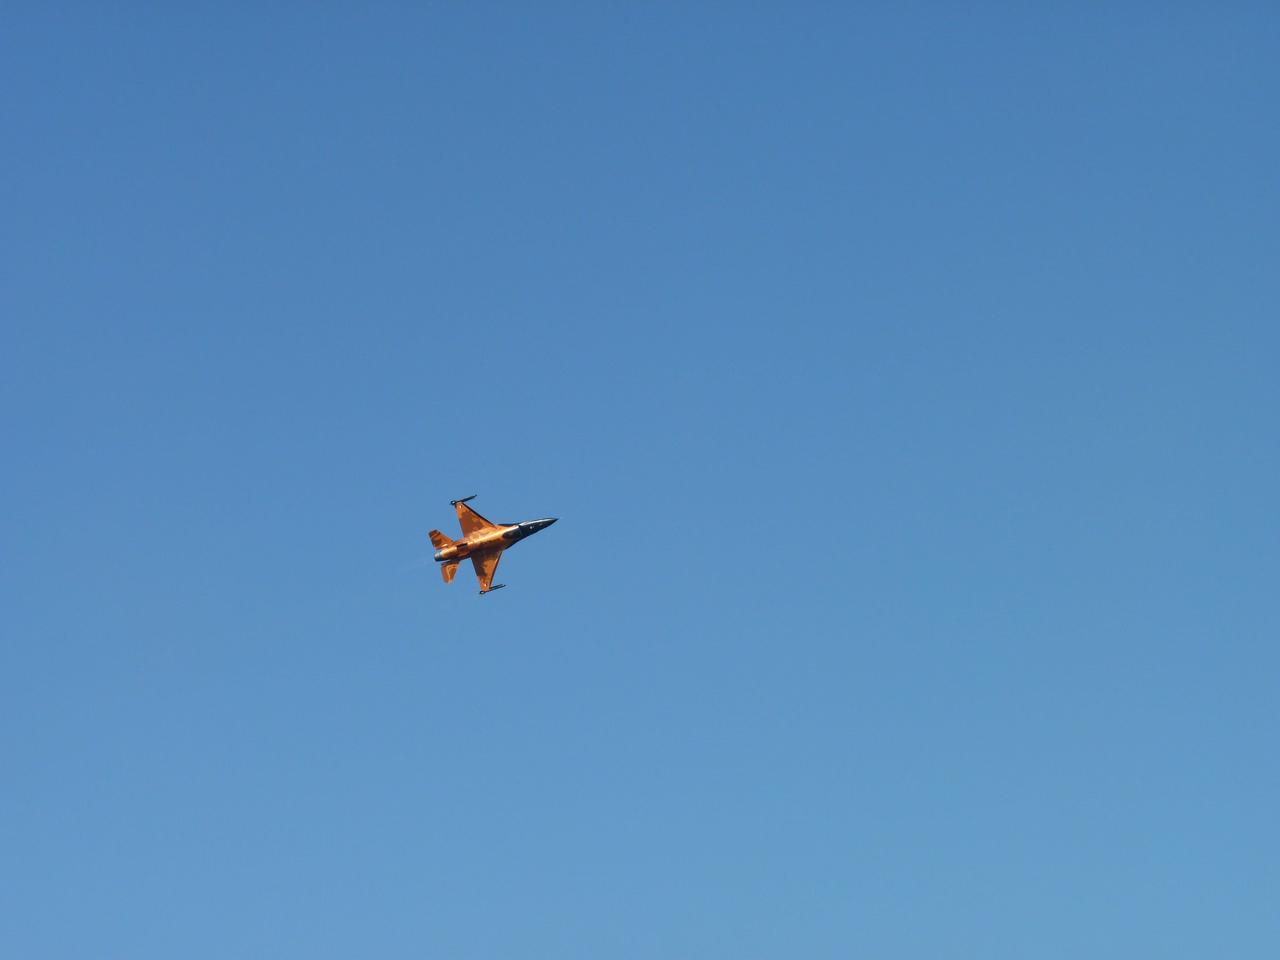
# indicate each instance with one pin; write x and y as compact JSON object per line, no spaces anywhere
{"x":482,"y":541}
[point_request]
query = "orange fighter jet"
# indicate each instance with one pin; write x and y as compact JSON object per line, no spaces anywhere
{"x":482,"y":541}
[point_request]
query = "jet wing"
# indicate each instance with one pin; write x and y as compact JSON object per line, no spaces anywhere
{"x":486,"y":564}
{"x":471,"y":521}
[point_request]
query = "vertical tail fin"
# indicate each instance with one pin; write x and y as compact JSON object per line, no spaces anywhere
{"x":449,"y":571}
{"x":439,"y":540}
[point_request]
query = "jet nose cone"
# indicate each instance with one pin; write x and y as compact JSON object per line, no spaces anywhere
{"x":533,"y":526}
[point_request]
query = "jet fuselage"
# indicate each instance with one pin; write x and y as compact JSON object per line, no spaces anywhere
{"x":499,"y":538}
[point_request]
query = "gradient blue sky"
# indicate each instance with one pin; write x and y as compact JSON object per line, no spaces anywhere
{"x":904,"y":377}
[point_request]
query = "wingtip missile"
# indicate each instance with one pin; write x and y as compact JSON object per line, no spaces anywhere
{"x":454,"y":503}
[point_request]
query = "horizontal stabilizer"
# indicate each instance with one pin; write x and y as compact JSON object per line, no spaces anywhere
{"x":439,"y":540}
{"x":449,"y":571}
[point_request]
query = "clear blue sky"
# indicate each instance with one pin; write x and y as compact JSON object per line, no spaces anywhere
{"x":905,"y":380}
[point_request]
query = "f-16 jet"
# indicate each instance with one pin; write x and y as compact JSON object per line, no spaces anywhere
{"x":482,"y":541}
